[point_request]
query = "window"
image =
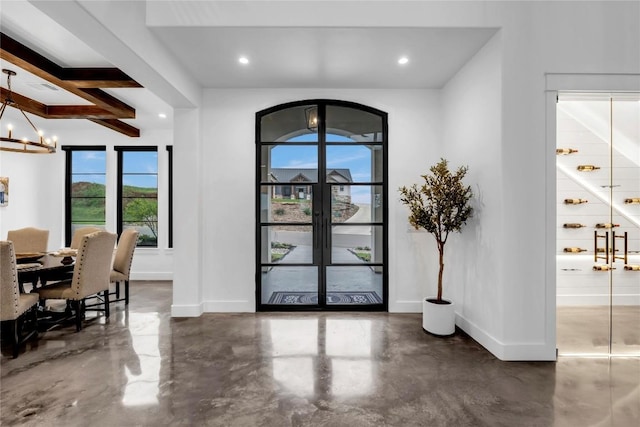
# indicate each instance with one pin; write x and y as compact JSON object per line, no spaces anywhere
{"x":85,"y":194}
{"x":138,"y":192}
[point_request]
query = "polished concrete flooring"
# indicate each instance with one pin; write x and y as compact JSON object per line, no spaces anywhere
{"x":143,"y":368}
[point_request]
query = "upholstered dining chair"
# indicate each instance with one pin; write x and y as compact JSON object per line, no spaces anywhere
{"x":122,"y":262}
{"x":16,"y":308}
{"x":29,"y":239}
{"x":76,"y":240}
{"x":90,"y":275}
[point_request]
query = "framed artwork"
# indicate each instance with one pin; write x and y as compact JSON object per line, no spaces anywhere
{"x":4,"y":191}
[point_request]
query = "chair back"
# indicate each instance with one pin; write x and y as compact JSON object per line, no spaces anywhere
{"x":29,"y":239}
{"x":76,"y":240}
{"x":93,"y":264}
{"x":9,"y":290}
{"x":124,"y":254}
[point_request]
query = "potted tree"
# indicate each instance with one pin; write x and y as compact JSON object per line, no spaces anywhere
{"x":439,"y":206}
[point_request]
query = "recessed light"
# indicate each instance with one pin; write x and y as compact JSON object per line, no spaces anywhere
{"x":162,"y":115}
{"x":243,"y":60}
{"x":403,"y":60}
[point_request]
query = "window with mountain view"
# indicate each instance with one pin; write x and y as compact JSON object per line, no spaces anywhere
{"x":85,"y":188}
{"x":138,"y":192}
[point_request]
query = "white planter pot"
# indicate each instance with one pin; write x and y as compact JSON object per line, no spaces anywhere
{"x":438,"y":319}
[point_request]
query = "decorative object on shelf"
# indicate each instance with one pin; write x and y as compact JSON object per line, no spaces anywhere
{"x":632,"y":201}
{"x":575,"y":201}
{"x":4,"y":191}
{"x":587,"y":168}
{"x":632,"y":267}
{"x":440,"y":206}
{"x":606,"y":225}
{"x":573,"y":225}
{"x":604,"y":267}
{"x":574,"y":250}
{"x":39,"y":145}
{"x":565,"y":151}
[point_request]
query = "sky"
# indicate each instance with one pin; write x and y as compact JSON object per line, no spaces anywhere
{"x":91,"y":166}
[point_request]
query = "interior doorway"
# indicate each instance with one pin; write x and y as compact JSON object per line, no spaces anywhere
{"x":321,"y":211}
{"x":598,"y":224}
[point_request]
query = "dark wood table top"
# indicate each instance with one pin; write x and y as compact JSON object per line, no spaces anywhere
{"x":46,"y":268}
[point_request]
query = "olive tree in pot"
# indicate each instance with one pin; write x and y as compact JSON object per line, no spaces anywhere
{"x":440,"y":206}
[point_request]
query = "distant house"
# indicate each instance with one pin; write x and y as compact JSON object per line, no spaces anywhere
{"x":298,"y":183}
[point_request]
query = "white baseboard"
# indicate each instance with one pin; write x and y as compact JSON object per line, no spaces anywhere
{"x":151,"y":275}
{"x":507,"y":352}
{"x":579,"y":300}
{"x":191,"y":310}
{"x":238,"y":306}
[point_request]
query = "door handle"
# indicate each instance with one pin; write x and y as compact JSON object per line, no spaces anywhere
{"x":326,"y":233}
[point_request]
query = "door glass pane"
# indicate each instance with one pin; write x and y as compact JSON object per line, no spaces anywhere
{"x":354,"y":285}
{"x":582,"y":201}
{"x":287,"y":244}
{"x":354,"y":163}
{"x":277,"y":205}
{"x":289,"y":285}
{"x":356,"y":244}
{"x":625,"y":312}
{"x":289,"y":164}
{"x":356,"y":125}
{"x":289,"y":124}
{"x":356,"y":203}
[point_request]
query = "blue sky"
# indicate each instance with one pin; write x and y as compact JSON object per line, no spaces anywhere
{"x":93,"y":165}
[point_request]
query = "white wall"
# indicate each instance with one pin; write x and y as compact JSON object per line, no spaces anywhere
{"x":228,"y":192}
{"x":472,"y":120}
{"x":37,"y":192}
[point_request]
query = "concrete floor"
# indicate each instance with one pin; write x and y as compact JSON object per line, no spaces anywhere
{"x":144,"y":368}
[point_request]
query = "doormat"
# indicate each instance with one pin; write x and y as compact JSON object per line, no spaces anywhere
{"x":366,"y":297}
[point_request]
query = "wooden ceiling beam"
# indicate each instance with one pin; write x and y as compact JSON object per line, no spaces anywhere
{"x":57,"y":111}
{"x":98,"y":78}
{"x":30,"y":60}
{"x":27,"y":104}
{"x":118,"y":126}
{"x":83,"y":82}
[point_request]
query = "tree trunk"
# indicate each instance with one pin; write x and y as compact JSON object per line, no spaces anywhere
{"x":441,"y":258}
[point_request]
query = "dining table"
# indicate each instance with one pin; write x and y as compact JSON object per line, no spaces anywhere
{"x":38,"y":269}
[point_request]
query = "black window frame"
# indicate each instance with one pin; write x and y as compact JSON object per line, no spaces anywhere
{"x":69,"y":149}
{"x":120,"y":150}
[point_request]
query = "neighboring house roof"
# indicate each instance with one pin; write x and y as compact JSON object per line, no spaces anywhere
{"x":308,"y":175}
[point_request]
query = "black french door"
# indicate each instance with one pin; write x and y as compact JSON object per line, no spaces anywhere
{"x":321,"y":235}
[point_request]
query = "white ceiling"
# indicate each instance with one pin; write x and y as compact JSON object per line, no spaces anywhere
{"x":314,"y":57}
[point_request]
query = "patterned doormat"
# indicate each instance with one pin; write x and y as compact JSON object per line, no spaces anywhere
{"x":365,"y":297}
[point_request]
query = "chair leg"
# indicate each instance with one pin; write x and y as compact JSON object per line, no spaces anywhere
{"x":16,"y":338}
{"x":106,"y":303}
{"x":126,"y":292}
{"x":78,"y":307}
{"x":118,"y":290}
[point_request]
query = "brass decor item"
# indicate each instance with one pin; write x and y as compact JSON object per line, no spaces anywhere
{"x":565,"y":151}
{"x":41,"y":145}
{"x":587,"y":168}
{"x":575,"y":201}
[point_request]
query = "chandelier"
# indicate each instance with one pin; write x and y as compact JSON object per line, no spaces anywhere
{"x":39,"y":145}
